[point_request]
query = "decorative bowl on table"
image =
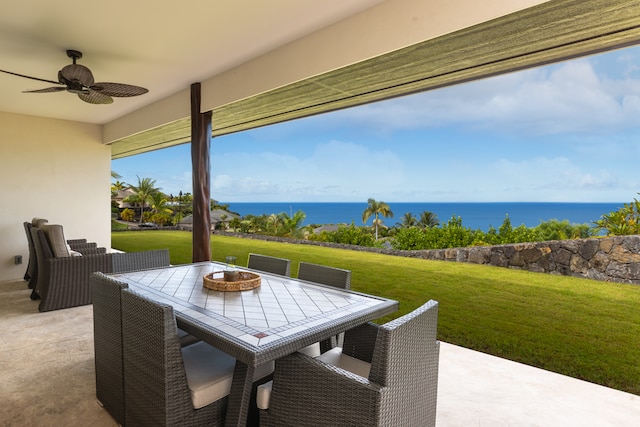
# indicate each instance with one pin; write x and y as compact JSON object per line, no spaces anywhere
{"x":225,"y":282}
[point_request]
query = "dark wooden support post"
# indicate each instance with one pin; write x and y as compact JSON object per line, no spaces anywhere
{"x":200,"y":144}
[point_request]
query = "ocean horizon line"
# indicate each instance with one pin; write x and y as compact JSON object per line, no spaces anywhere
{"x":475,"y":215}
{"x":411,"y":202}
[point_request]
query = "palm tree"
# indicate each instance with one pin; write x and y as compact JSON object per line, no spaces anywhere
{"x":143,"y":193}
{"x":428,"y":220}
{"x":293,"y":223}
{"x":274,"y":222}
{"x":117,"y":186}
{"x":376,"y":208}
{"x":160,"y":208}
{"x":408,"y":220}
{"x":160,"y":204}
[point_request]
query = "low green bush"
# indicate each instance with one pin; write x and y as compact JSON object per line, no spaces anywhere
{"x":453,"y":234}
{"x":348,"y":235}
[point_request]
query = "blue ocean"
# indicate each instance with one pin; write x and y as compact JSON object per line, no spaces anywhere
{"x":474,"y":215}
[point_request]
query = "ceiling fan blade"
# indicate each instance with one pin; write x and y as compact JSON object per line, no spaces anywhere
{"x":32,"y":78}
{"x":118,"y":89}
{"x":46,"y":90}
{"x":93,"y":97}
{"x":76,"y":73}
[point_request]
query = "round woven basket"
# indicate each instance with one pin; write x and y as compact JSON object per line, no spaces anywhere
{"x":245,"y":281}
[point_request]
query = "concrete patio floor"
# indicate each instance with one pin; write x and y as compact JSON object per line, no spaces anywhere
{"x":46,"y":364}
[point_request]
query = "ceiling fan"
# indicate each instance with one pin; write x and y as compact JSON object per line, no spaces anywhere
{"x":78,"y":79}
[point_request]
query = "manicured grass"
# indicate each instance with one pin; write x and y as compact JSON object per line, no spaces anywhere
{"x":578,"y":327}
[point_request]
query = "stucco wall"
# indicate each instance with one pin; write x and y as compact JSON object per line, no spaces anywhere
{"x":53,"y":169}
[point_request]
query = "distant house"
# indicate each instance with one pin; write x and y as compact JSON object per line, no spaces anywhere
{"x":217,"y":216}
{"x":121,"y":195}
{"x":330,"y":228}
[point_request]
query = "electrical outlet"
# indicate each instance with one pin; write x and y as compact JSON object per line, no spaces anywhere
{"x":17,"y":259}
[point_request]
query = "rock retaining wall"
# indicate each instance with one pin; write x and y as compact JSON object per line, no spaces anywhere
{"x":610,"y":259}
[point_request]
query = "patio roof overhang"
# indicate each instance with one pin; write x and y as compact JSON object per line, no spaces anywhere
{"x":549,"y":32}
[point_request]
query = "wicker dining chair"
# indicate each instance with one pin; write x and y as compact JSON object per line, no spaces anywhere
{"x":325,"y":275}
{"x":270,"y":264}
{"x":106,"y":294}
{"x":156,"y":384}
{"x":331,"y":276}
{"x":107,"y":342}
{"x":385,"y":375}
{"x":166,"y":384}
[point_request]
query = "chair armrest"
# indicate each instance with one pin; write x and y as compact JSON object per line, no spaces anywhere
{"x":73,"y":242}
{"x":360,"y":341}
{"x":90,"y":250}
{"x":75,"y":246}
{"x":308,"y":392}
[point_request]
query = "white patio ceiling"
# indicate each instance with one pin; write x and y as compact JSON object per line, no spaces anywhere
{"x":262,"y":62}
{"x":161,"y":45}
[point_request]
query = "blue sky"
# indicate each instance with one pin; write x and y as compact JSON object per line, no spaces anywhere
{"x":568,"y":132}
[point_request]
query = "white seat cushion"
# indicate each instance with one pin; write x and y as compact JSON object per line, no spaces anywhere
{"x":264,"y":395}
{"x":331,"y":357}
{"x":210,"y":373}
{"x":348,"y":363}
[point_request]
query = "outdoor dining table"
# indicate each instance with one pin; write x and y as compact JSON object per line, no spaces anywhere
{"x":255,"y":326}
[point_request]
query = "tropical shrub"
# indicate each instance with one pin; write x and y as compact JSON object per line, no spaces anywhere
{"x":409,"y":239}
{"x":624,"y":221}
{"x":454,"y":235}
{"x":507,"y":234}
{"x":127,"y":215}
{"x":350,"y":235}
{"x":159,"y":218}
{"x":450,"y":235}
{"x":563,"y":230}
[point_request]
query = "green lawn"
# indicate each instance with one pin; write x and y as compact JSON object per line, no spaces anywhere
{"x":578,"y":327}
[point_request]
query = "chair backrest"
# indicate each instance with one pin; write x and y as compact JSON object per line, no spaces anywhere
{"x":155,"y":381}
{"x":270,"y":264}
{"x":43,"y":252}
{"x":31,"y":268}
{"x":56,"y":240}
{"x":133,"y":261}
{"x":37,"y":222}
{"x":405,"y":360}
{"x":331,"y":276}
{"x":42,"y":237}
{"x":106,"y":294}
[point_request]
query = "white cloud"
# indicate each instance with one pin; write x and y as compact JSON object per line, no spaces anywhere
{"x":555,"y":179}
{"x":334,"y":170}
{"x":568,"y":97}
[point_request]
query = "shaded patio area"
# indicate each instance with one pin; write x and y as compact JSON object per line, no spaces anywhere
{"x":46,"y":363}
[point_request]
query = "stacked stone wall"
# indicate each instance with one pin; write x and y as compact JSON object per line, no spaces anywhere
{"x":609,"y":259}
